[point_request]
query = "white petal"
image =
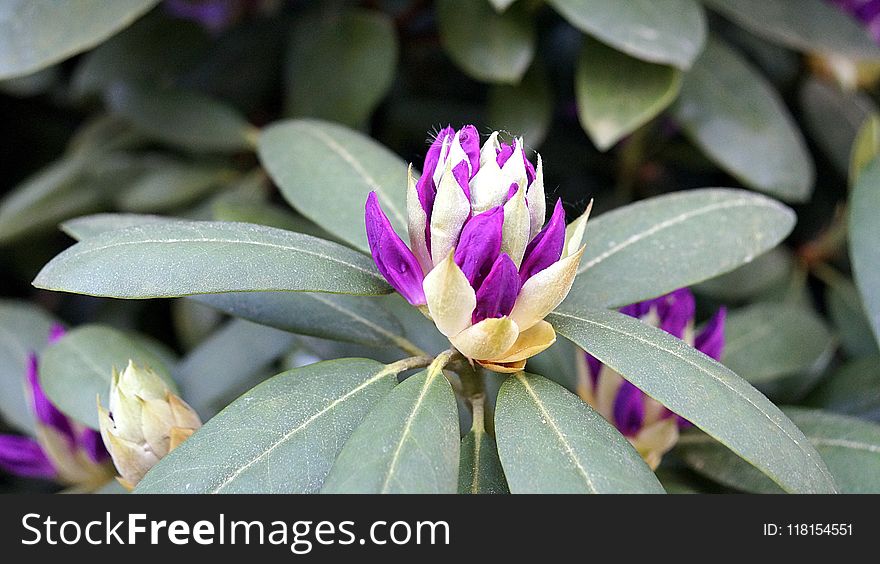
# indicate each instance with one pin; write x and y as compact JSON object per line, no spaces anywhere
{"x":574,"y":232}
{"x":537,"y":201}
{"x":488,"y":188}
{"x":449,"y":297}
{"x":544,"y":291}
{"x":487,"y":339}
{"x":514,"y":169}
{"x":457,"y":154}
{"x":489,"y":151}
{"x":451,"y":210}
{"x":417,"y":221}
{"x":515,"y":234}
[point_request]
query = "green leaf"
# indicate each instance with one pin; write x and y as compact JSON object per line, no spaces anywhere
{"x":184,"y":258}
{"x":852,"y":389}
{"x":340,"y":68}
{"x":408,"y":443}
{"x":730,"y":111}
{"x":184,"y":119}
{"x":763,"y":274}
{"x":171,"y":186}
{"x":832,"y":117}
{"x":658,"y":31}
{"x":501,"y":5}
{"x":524,"y":109}
{"x":485,"y":44}
{"x":702,"y":391}
{"x":51,"y":195}
{"x":864,"y":233}
{"x":848,"y":314}
{"x":814,"y":26}
{"x":315,"y":163}
{"x":849,"y":446}
{"x":280,"y":437}
{"x":223,"y":366}
{"x":24,"y":329}
{"x":617,"y":94}
{"x":765,"y":341}
{"x":38,"y":33}
{"x":78,"y":368}
{"x":865,"y":147}
{"x":480,"y":469}
{"x":558,"y":363}
{"x":89,"y":226}
{"x":353,"y":319}
{"x":655,"y":246}
{"x":552,"y":442}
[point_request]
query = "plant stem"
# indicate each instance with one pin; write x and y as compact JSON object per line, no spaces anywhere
{"x":404,"y":364}
{"x":474,"y":392}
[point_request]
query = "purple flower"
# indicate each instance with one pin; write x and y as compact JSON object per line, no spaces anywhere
{"x":481,"y":263}
{"x":650,"y":426}
{"x":865,"y":11}
{"x":62,"y":450}
{"x":213,"y":15}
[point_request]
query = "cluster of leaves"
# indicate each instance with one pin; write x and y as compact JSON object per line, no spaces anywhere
{"x":310,"y":107}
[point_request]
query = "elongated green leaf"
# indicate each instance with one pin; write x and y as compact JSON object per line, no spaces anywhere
{"x":865,"y":146}
{"x":763,"y":274}
{"x":729,"y":110}
{"x":89,"y":226}
{"x":852,"y":389}
{"x":849,"y":446}
{"x":223,"y":366}
{"x":185,"y":119}
{"x":558,"y":363}
{"x":552,"y":442}
{"x":813,"y":26}
{"x":832,"y":117}
{"x":184,"y":258}
{"x":765,"y":341}
{"x":317,"y":163}
{"x":501,"y":5}
{"x":24,"y":330}
{"x":864,"y":233}
{"x":37,"y":33}
{"x":487,"y":45}
{"x":171,"y":186}
{"x":353,"y":319}
{"x":280,"y":437}
{"x":78,"y":368}
{"x":659,"y":31}
{"x":848,"y":314}
{"x":702,"y":391}
{"x":480,"y":469}
{"x":652,"y":247}
{"x":340,"y":68}
{"x":617,"y":94}
{"x":408,"y":443}
{"x":524,"y":109}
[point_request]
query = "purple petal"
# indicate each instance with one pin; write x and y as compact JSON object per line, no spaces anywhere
{"x":425,"y":185}
{"x":546,"y":248}
{"x":511,"y":192}
{"x":530,"y":169}
{"x":497,"y":293}
{"x":480,"y":244}
{"x":504,"y":154}
{"x":629,"y":409}
{"x":46,"y":412}
{"x":676,"y":311}
{"x":460,"y":173}
{"x":90,"y":441}
{"x":56,"y":332}
{"x":469,"y":139}
{"x":392,"y":257}
{"x":23,"y":456}
{"x":594,"y":366}
{"x":710,"y":341}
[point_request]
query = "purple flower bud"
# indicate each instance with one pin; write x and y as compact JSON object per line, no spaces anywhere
{"x":480,"y":244}
{"x":23,"y":456}
{"x":629,"y":409}
{"x":504,"y":155}
{"x":90,"y":441}
{"x":710,"y":341}
{"x":470,"y":142}
{"x":546,"y":248}
{"x":392,"y":257}
{"x":425,"y":185}
{"x":497,"y":294}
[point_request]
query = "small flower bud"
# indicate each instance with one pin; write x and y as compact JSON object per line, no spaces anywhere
{"x":145,"y":422}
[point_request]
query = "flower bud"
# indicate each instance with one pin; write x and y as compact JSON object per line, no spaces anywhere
{"x":145,"y":422}
{"x":649,"y":426}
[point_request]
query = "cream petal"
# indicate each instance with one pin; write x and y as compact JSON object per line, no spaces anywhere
{"x":488,"y":188}
{"x":417,"y":222}
{"x":514,"y":170}
{"x":574,"y":232}
{"x":451,"y":210}
{"x":489,"y":152}
{"x":654,"y":441}
{"x":515,"y":235}
{"x":545,"y":290}
{"x":449,"y":296}
{"x":537,"y":201}
{"x":529,"y":343}
{"x":503,"y":368}
{"x":486,"y":339}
